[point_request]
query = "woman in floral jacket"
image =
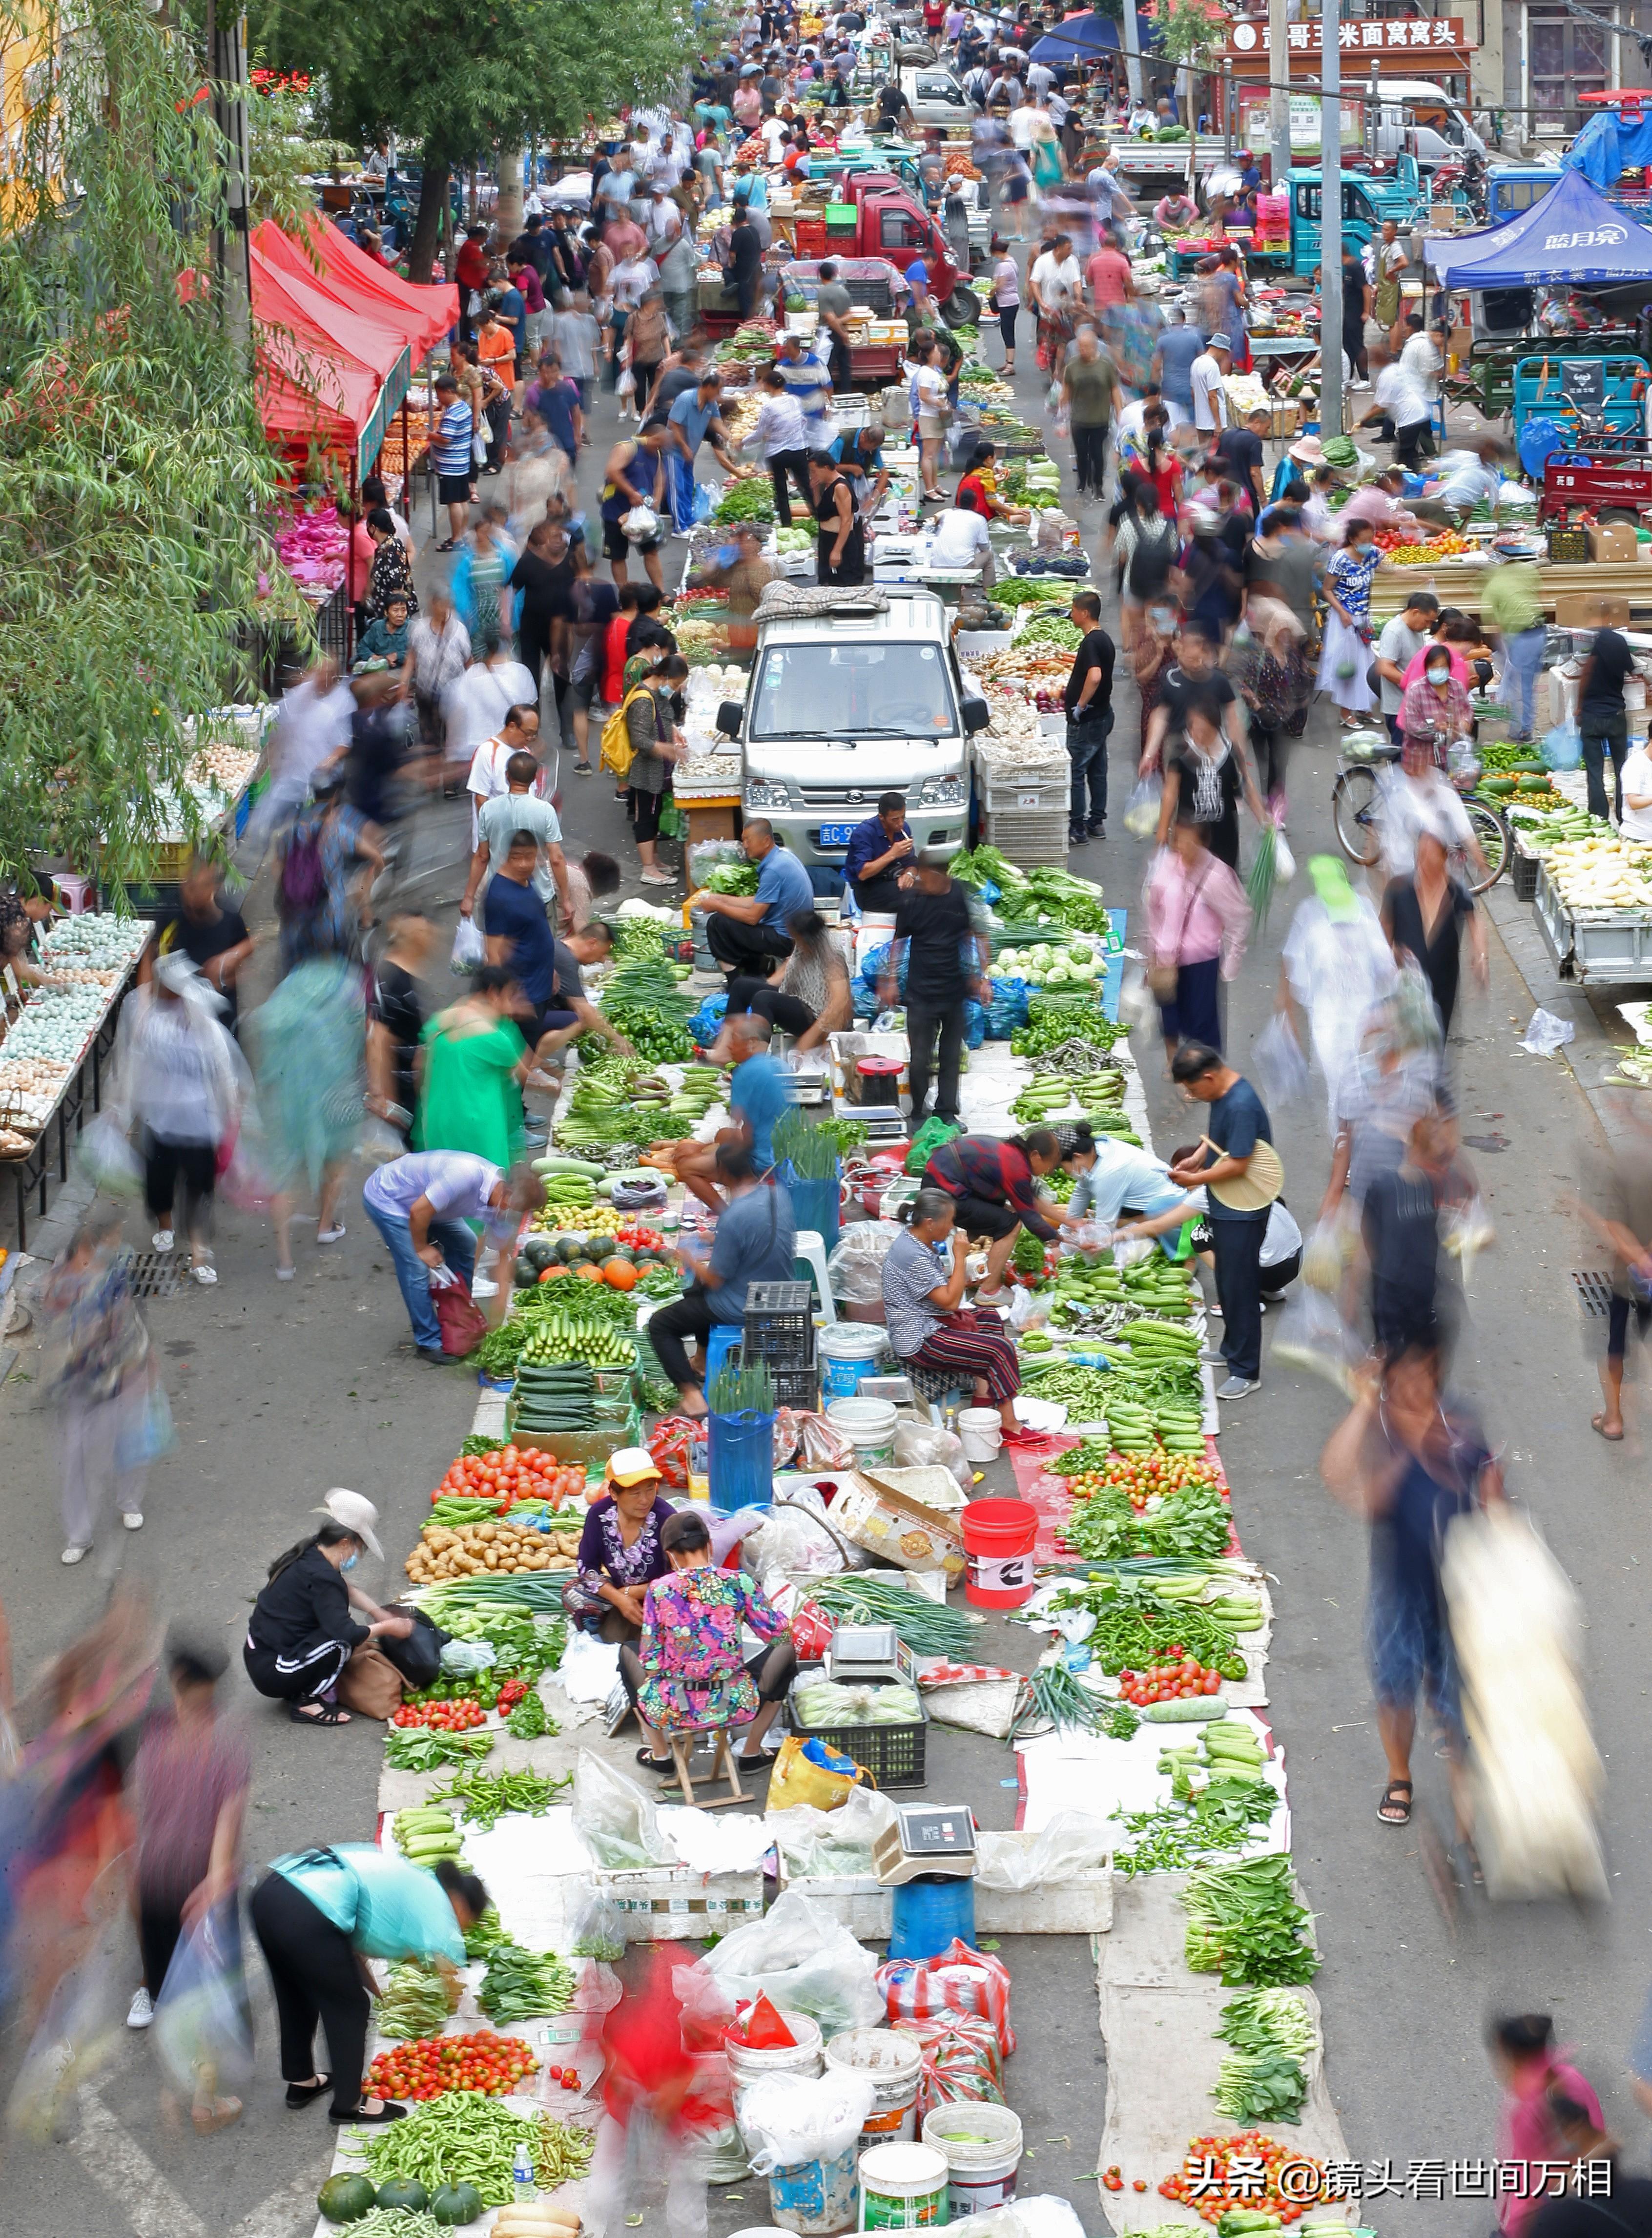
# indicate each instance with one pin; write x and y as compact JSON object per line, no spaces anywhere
{"x":686,"y":1671}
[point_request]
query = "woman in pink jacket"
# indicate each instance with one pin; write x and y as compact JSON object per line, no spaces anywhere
{"x":1197,"y":920}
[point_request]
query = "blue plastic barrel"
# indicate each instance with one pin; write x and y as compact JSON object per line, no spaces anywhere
{"x":930,"y":1913}
{"x":742,"y":1463}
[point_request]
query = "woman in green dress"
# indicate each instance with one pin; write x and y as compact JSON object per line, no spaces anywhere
{"x":472,"y":1059}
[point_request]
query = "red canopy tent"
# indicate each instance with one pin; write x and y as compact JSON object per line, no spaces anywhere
{"x":422,"y":314}
{"x":318,"y":381}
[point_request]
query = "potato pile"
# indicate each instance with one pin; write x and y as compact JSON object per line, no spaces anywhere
{"x":474,"y":1549}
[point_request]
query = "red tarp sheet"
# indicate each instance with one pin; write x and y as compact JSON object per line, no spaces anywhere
{"x":1053,"y":1499}
{"x":422,"y":315}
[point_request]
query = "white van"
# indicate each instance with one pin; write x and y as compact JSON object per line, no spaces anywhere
{"x":935,"y":96}
{"x":1444,"y":133}
{"x":845,"y":705}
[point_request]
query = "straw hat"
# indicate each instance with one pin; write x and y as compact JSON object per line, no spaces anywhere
{"x":1309,"y":451}
{"x":357,"y":1514}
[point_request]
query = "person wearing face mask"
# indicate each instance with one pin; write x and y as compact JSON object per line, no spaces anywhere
{"x":1345,"y":657}
{"x":303,"y":1633}
{"x":1434,"y":709}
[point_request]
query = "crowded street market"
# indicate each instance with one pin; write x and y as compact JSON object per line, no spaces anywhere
{"x":915,"y":810}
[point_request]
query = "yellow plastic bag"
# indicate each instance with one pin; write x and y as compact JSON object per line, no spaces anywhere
{"x":811,"y":1772}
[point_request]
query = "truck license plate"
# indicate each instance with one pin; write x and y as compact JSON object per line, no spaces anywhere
{"x":836,"y":834}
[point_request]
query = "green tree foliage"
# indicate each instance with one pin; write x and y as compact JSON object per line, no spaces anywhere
{"x":137,"y":476}
{"x":468,"y":77}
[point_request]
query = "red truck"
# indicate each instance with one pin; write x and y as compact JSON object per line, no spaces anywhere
{"x":893,"y":223}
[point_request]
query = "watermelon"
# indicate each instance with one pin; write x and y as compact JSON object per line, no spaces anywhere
{"x":346,"y":2198}
{"x":457,"y":2203}
{"x":404,"y":2192}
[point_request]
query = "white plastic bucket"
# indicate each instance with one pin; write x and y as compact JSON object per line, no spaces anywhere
{"x":847,"y":1351}
{"x":904,"y":2188}
{"x":894,"y":2063}
{"x":869,"y":1424}
{"x":982,"y":2147}
{"x":982,"y":1430}
{"x":747,"y":2066}
{"x":816,"y":2197}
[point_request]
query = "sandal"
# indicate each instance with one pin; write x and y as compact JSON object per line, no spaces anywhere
{"x":328,"y":1714}
{"x":1394,"y":1809}
{"x":1597,"y":1423}
{"x":448,"y":543}
{"x":646,"y":1756}
{"x":299,"y":2095}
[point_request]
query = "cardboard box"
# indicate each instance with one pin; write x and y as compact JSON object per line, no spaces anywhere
{"x":1616,"y":540}
{"x":897,"y":1529}
{"x":1588,"y":610}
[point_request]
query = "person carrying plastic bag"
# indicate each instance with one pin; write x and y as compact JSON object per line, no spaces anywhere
{"x":652,"y":2116}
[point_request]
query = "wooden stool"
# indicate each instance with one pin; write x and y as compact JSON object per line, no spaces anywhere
{"x":723,"y":1767}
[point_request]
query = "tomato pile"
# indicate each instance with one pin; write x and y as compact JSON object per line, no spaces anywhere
{"x":1142,"y":1477}
{"x":1211,"y":2183}
{"x":511,"y":1474}
{"x":1176,"y":1676}
{"x":448,"y":1715}
{"x":640,"y":1239}
{"x":424,"y":2068}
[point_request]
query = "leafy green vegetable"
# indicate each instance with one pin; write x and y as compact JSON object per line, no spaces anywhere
{"x":1263,"y":2079}
{"x":1193,"y":1523}
{"x":1244,"y":1923}
{"x":732,"y":878}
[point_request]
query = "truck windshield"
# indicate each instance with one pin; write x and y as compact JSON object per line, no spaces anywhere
{"x":853,"y":692}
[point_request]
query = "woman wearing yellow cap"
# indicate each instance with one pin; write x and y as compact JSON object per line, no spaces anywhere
{"x":619,"y":1549}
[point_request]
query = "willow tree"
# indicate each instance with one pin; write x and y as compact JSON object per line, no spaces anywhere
{"x":135,"y":474}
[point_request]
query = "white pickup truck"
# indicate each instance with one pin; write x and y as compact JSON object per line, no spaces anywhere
{"x":844,"y":705}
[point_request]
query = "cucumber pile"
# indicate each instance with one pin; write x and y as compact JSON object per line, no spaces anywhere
{"x":1136,"y":1427}
{"x":561,"y":1339}
{"x":427,"y":1835}
{"x":555,"y":1398}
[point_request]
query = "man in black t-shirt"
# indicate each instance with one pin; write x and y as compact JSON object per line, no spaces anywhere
{"x":1239,"y":450}
{"x":215,"y":938}
{"x":1089,"y":702}
{"x":1603,"y":719}
{"x":946,"y":961}
{"x":1193,"y":677}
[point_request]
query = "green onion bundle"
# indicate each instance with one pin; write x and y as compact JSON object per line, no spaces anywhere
{"x":923,"y":1626}
{"x":812,"y":1152}
{"x":742,"y":1391}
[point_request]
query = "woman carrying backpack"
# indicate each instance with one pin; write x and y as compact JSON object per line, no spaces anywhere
{"x":316,"y":886}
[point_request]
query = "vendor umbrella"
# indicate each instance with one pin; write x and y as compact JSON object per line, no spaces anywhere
{"x":1082,"y":38}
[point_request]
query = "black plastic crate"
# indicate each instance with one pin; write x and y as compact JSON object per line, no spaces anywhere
{"x":779,"y":1323}
{"x":892,"y":1754}
{"x":1523,"y":870}
{"x":796,"y":1381}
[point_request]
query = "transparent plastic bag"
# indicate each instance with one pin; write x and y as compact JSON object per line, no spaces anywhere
{"x":807,"y":1962}
{"x":1070,"y":1843}
{"x":1029,"y":1311}
{"x":1325,"y":1255}
{"x":1281,"y":1068}
{"x":1136,"y":1005}
{"x":1310,"y":1332}
{"x":1466,"y":1231}
{"x":596,"y":1929}
{"x":110,"y":1161}
{"x":791,"y":2119}
{"x":1547,"y":1033}
{"x":822,"y":1445}
{"x":203,"y":2026}
{"x":828,"y":1844}
{"x":918,"y":1447}
{"x":856,"y":1267}
{"x":616,"y":1818}
{"x":1562,"y":747}
{"x":470,"y":950}
{"x":1141,"y":810}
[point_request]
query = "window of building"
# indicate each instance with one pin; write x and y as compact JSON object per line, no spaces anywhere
{"x":1563,"y":58}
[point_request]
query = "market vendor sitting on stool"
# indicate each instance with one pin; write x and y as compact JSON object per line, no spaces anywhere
{"x":923,"y":1286}
{"x":385,"y":639}
{"x":992,"y":1185}
{"x":756,"y":1242}
{"x":620,"y":1554}
{"x":686,"y":1671}
{"x":756,"y":1098}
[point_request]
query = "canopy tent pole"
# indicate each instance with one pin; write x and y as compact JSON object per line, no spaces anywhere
{"x":1330,"y":222}
{"x":1130,"y":29}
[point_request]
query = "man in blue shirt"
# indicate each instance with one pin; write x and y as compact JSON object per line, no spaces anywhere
{"x":1237,"y":1125}
{"x":755,"y":1243}
{"x":748,"y":932}
{"x":879,"y":861}
{"x":860,"y":453}
{"x":691,"y":420}
{"x":1172,"y":368}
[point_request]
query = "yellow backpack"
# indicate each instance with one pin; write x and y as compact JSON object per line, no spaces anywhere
{"x":616,"y":752}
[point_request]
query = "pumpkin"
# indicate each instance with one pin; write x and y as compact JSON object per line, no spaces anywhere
{"x":620,"y":1274}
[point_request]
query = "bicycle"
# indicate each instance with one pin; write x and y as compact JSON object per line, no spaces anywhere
{"x":1356,"y":808}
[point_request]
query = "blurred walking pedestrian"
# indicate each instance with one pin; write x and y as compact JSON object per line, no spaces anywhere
{"x":191,"y":1780}
{"x":1411,"y":1460}
{"x":1236,"y":1130}
{"x":101,"y":1374}
{"x":308,"y":1045}
{"x":1615,"y":1205}
{"x":183,"y":1086}
{"x":1197,"y":918}
{"x":1529,"y":2065}
{"x":1424,"y":915}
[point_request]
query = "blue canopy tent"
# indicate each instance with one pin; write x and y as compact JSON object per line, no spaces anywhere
{"x":1608,"y":145}
{"x":1082,"y":38}
{"x":1573,"y":236}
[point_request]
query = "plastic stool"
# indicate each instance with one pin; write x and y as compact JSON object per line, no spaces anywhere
{"x":809,"y":1249}
{"x":725,"y":1336}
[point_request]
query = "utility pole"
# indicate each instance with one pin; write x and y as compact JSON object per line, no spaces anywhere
{"x":232,"y":267}
{"x":1280,"y":95}
{"x":1130,"y":27}
{"x":1331,"y":219}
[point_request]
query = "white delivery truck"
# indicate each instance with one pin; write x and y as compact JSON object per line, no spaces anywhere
{"x":865,"y":699}
{"x":935,"y":96}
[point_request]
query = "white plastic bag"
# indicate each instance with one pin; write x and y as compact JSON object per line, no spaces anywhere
{"x":640,"y":525}
{"x":1547,"y":1033}
{"x":1279,"y":1064}
{"x":618,"y":1819}
{"x":1071,"y":1842}
{"x":715,"y":1844}
{"x":470,"y":950}
{"x":203,"y":2026}
{"x":1029,"y":1311}
{"x":806,"y":1962}
{"x":856,"y":1267}
{"x":792,"y":1543}
{"x":1141,"y":810}
{"x":589,"y":1668}
{"x":111,"y":1163}
{"x":915,"y":1446}
{"x":827,"y":1843}
{"x":1136,"y":1005}
{"x":790,"y":2119}
{"x":1045,"y":2216}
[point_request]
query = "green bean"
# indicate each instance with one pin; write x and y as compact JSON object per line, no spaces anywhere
{"x":460,"y":2137}
{"x":562,"y":2155}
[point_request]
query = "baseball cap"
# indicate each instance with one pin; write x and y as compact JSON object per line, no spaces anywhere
{"x":633,"y":1464}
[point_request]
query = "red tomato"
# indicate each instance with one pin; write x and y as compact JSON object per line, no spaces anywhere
{"x":1212,"y":1683}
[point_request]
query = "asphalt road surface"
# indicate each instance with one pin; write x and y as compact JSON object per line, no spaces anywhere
{"x":280,"y":1392}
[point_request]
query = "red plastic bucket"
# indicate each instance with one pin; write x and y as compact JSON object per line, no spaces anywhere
{"x":999,"y":1536}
